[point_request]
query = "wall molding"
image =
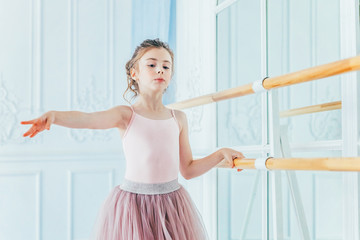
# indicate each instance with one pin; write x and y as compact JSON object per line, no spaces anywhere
{"x":38,"y":183}
{"x":70,"y":175}
{"x":90,"y":98}
{"x":35,"y":60}
{"x":9,"y":111}
{"x":51,"y":157}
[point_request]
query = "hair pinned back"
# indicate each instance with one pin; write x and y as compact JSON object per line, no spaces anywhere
{"x":133,"y":63}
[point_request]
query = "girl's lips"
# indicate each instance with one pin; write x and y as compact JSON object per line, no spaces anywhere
{"x":159,"y":79}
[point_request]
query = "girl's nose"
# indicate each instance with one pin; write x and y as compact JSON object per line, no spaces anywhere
{"x":159,"y":70}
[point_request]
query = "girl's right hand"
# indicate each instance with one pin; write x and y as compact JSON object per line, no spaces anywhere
{"x":39,"y":124}
{"x":229,"y":155}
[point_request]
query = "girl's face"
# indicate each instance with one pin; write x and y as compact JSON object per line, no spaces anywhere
{"x":154,"y":70}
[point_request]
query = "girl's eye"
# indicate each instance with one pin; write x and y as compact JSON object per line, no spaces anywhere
{"x":151,"y":65}
{"x":166,"y":67}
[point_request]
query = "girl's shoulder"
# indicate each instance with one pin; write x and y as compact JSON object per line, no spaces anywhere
{"x":181,"y":118}
{"x":124,"y":111}
{"x":179,"y":113}
{"x":125,"y":107}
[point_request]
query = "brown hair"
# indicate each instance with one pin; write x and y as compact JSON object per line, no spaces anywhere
{"x":133,"y":63}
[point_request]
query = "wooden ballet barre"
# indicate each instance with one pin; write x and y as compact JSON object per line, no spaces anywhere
{"x":311,"y":109}
{"x":309,"y":74}
{"x":315,"y":164}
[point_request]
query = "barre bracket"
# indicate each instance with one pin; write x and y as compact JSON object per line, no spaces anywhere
{"x":260,"y":163}
{"x":258,"y":86}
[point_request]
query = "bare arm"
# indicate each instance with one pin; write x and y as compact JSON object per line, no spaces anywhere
{"x":111,"y":118}
{"x":191,"y":168}
{"x":71,"y":119}
{"x":96,"y":120}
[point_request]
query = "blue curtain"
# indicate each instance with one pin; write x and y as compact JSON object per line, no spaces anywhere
{"x":156,"y":19}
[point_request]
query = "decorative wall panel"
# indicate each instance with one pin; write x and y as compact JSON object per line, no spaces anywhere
{"x":62,"y":56}
{"x":20,"y":205}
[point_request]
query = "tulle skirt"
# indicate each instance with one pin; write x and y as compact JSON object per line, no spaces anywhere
{"x":127,"y":215}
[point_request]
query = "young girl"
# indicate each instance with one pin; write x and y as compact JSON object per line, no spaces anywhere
{"x":150,"y":204}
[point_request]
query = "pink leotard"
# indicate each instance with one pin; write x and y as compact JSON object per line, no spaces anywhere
{"x":151,"y":149}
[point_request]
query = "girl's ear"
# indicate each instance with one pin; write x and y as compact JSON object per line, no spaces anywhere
{"x":133,"y":73}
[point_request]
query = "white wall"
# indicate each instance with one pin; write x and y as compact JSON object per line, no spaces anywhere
{"x":301,"y":34}
{"x":59,"y":55}
{"x":196,"y":69}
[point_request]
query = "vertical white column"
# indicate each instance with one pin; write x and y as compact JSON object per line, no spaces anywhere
{"x":208,"y":51}
{"x":36,"y":48}
{"x":267,"y":122}
{"x":275,"y":176}
{"x":196,"y":52}
{"x":350,"y":87}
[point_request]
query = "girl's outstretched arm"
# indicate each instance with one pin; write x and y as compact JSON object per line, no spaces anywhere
{"x":111,"y":118}
{"x":190,"y":168}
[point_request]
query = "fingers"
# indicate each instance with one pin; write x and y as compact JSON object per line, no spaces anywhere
{"x":231,"y":161}
{"x":47,"y":126}
{"x":39,"y":124}
{"x":30,"y":132}
{"x":230,"y":155}
{"x":34,"y":134}
{"x":238,"y":155}
{"x":241,"y":156}
{"x":33,"y":131}
{"x":28,"y":122}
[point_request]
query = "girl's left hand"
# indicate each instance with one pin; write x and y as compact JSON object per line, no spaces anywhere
{"x":230,"y":155}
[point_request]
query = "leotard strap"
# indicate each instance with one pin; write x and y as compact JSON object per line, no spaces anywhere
{"x":173,"y":114}
{"x":130,"y":122}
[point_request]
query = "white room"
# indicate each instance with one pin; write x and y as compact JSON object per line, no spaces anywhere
{"x":252,"y":123}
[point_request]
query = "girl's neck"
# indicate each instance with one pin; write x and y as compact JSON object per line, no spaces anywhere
{"x":150,"y":103}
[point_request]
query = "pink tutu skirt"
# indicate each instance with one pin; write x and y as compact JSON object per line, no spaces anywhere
{"x":127,"y":215}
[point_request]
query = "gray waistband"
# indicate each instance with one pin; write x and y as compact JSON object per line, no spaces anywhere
{"x":150,"y":188}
